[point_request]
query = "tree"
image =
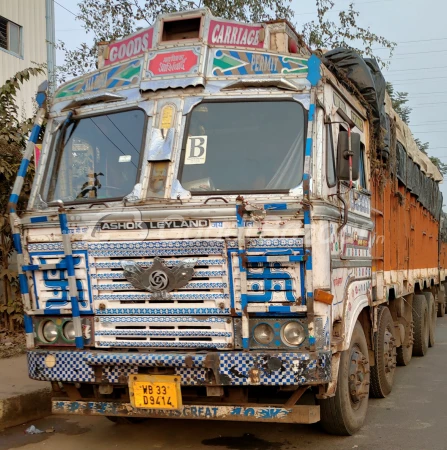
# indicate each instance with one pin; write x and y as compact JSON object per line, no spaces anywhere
{"x":114,"y":19}
{"x":399,"y":101}
{"x":12,"y":144}
{"x":346,"y":32}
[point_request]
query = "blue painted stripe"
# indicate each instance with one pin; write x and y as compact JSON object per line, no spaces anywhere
{"x":309,"y":263}
{"x":266,"y":259}
{"x":40,"y":98}
{"x":63,"y":223}
{"x":28,"y":324}
{"x":23,"y":168}
{"x":52,"y":312}
{"x":35,"y":134}
{"x":75,"y":307}
{"x":39,"y":219}
{"x":309,"y":146}
{"x":113,"y":84}
{"x":239,"y":218}
{"x":14,"y":199}
{"x":33,"y":267}
{"x":306,"y":217}
{"x":276,"y":206}
{"x":17,"y":243}
{"x":241,"y":70}
{"x":245,"y":342}
{"x":70,"y":265}
{"x":23,"y":283}
{"x":279,"y":309}
{"x":230,"y":278}
{"x":79,"y":342}
{"x":311,"y":113}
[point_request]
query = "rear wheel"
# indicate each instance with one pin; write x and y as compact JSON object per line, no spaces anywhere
{"x":431,"y":317}
{"x":405,"y":351}
{"x":441,"y":308}
{"x":382,"y":373}
{"x":421,"y":325}
{"x":441,"y":301}
{"x":345,"y":413}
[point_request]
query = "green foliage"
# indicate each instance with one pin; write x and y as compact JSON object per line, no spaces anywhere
{"x":325,"y":33}
{"x":12,"y":144}
{"x":399,"y":101}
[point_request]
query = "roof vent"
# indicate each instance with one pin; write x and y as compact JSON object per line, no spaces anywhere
{"x":181,"y":29}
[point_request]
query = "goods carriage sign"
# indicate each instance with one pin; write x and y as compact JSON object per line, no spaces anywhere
{"x":235,"y":34}
{"x":130,"y":47}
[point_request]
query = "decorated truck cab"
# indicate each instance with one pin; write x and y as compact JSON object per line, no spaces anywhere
{"x":208,"y":238}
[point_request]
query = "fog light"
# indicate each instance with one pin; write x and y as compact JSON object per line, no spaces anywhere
{"x":69,"y":331}
{"x":293,"y":333}
{"x":264,"y":334}
{"x":49,"y":331}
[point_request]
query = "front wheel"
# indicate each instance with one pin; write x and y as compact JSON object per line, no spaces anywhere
{"x":345,"y":413}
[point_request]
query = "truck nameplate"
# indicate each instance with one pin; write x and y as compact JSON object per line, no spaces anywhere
{"x":159,"y":225}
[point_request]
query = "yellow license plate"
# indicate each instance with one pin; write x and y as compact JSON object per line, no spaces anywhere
{"x":155,"y":391}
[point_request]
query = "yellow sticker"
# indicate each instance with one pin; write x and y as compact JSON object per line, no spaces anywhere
{"x":167,"y":117}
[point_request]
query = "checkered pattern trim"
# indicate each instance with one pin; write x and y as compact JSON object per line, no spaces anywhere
{"x":69,"y":366}
{"x":270,"y":369}
{"x":268,"y":243}
{"x":238,"y":368}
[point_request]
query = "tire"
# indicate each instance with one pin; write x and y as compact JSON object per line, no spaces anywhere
{"x":126,"y":420}
{"x":421,"y":325}
{"x":441,"y":307}
{"x":345,"y":413}
{"x":431,"y":317}
{"x":382,"y":373}
{"x":442,"y":301}
{"x":405,"y":351}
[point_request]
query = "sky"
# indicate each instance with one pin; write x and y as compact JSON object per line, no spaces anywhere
{"x":418,"y":65}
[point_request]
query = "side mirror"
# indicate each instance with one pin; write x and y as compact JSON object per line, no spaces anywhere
{"x":343,"y":155}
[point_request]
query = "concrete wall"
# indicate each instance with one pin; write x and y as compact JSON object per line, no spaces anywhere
{"x":30,"y":15}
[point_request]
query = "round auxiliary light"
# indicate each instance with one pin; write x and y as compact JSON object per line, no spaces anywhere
{"x":293,"y":333}
{"x":49,"y":331}
{"x":264,"y":334}
{"x":69,"y":331}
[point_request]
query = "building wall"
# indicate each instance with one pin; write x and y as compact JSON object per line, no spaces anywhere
{"x":30,"y":15}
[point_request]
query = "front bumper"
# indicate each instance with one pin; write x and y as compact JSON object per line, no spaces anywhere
{"x":258,"y":413}
{"x":195,"y":368}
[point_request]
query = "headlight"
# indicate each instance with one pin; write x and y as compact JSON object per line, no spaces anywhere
{"x":264,"y":334}
{"x":69,"y":331}
{"x":293,"y":333}
{"x":49,"y":331}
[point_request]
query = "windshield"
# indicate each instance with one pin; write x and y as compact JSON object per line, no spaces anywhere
{"x":244,"y":146}
{"x":96,"y":157}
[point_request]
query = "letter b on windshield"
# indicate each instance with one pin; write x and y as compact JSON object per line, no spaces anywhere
{"x":196,"y":150}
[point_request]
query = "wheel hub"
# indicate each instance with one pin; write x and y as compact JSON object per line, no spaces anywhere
{"x":358,"y":379}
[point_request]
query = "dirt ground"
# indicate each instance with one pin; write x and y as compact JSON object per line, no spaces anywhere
{"x":12,"y":344}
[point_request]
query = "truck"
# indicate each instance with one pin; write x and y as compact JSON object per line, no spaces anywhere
{"x":225,"y":225}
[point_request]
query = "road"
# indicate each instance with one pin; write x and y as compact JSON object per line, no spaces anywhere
{"x":413,"y":417}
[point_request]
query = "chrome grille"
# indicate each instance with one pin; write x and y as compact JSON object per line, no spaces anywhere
{"x":164,"y":332}
{"x":206,"y":294}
